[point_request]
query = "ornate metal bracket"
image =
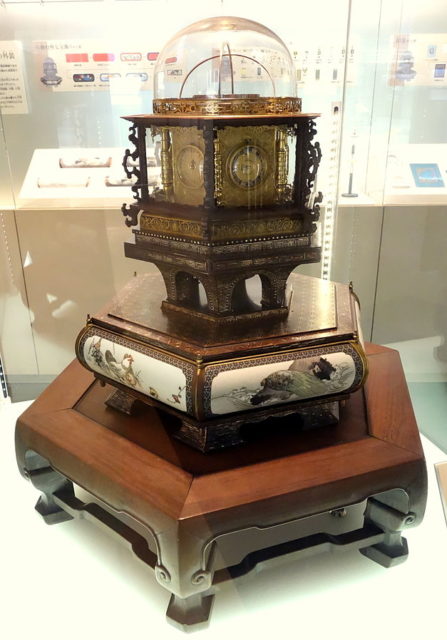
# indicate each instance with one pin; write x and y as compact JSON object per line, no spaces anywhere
{"x":130,"y":212}
{"x":316,"y":206}
{"x":308,"y":158}
{"x":312,"y":162}
{"x":135,"y":156}
{"x":138,"y":169}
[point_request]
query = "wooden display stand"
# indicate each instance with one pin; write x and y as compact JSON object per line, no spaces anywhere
{"x":200,"y":519}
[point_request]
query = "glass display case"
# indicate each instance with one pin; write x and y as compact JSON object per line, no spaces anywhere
{"x":309,"y":434}
{"x":69,"y":70}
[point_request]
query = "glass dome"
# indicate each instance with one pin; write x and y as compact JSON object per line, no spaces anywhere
{"x":224,"y":58}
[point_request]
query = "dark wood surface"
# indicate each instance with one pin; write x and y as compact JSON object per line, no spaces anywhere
{"x":134,"y":464}
{"x":186,"y":500}
{"x":274,"y":438}
{"x":198,"y":338}
{"x":193,"y":120}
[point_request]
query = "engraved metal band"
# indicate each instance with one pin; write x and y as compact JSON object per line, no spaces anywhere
{"x":219,"y":106}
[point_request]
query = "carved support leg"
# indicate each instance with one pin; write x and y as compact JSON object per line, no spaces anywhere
{"x":274,"y":288}
{"x":320,"y":415}
{"x":211,"y":294}
{"x":394,"y":549}
{"x":48,"y":481}
{"x":224,"y":292}
{"x":169,"y":279}
{"x":122,"y":401}
{"x":189,"y":611}
{"x":241,"y":301}
{"x":267,"y":292}
{"x":185,"y":565}
{"x":187,"y":290}
{"x":209,"y":439}
{"x":278,"y":290}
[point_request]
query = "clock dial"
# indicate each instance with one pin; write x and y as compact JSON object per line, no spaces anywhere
{"x":248,"y":166}
{"x":190,"y":166}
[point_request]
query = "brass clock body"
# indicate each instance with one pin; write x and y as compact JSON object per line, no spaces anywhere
{"x":246,"y":163}
{"x":185,"y":159}
{"x":250,"y":165}
{"x":233,"y":202}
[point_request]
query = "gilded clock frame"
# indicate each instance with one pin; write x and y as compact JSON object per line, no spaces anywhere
{"x":271,"y":140}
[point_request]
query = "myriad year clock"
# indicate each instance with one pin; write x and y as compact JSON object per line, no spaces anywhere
{"x":237,"y":338}
{"x":227,"y":346}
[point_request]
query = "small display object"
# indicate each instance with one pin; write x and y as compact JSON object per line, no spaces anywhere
{"x":416,"y":175}
{"x":81,"y":175}
{"x":427,"y":175}
{"x":226,"y":347}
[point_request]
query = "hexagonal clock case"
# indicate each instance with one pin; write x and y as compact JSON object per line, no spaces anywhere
{"x":234,"y":211}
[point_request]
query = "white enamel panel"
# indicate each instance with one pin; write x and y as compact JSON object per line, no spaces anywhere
{"x":245,"y":388}
{"x":153,"y":377}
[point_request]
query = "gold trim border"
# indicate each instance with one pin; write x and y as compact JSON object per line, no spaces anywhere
{"x":199,"y":363}
{"x":171,"y":226}
{"x":199,"y":367}
{"x":352,"y":343}
{"x":228,"y":106}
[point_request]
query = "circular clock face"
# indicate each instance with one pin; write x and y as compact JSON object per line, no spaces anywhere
{"x":190,"y":166}
{"x":248,"y":166}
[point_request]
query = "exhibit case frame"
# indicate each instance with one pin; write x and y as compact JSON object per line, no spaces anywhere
{"x":376,"y":75}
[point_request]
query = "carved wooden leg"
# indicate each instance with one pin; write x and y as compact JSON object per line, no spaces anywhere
{"x":229,"y":431}
{"x":320,"y":415}
{"x":394,"y":549}
{"x":185,"y":567}
{"x":122,"y":401}
{"x":189,"y":611}
{"x":48,"y":481}
{"x":209,"y":438}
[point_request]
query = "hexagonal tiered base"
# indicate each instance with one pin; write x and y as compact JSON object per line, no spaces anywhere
{"x":198,"y":520}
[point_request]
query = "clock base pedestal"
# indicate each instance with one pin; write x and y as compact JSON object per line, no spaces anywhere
{"x":219,"y":433}
{"x":220,"y":381}
{"x":200,"y":520}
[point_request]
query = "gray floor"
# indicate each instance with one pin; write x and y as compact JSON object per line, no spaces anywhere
{"x":430,"y":407}
{"x":29,"y":390}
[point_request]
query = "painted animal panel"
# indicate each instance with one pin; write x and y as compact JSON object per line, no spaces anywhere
{"x":263,"y":385}
{"x":155,"y":378}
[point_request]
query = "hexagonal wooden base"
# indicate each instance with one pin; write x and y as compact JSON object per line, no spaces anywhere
{"x":199,"y":519}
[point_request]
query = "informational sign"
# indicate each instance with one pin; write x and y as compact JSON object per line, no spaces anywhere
{"x":324,"y":63}
{"x":76,"y":65}
{"x":79,"y":65}
{"x":12,"y":85}
{"x":426,"y":174}
{"x":419,"y":59}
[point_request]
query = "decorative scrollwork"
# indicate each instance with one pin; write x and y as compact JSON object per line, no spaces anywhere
{"x":130,"y":211}
{"x":253,"y":229}
{"x":228,"y":106}
{"x":203,"y":579}
{"x":175,"y":226}
{"x":316,"y":206}
{"x":134,"y":169}
{"x":307,"y":167}
{"x":162,"y":575}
